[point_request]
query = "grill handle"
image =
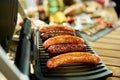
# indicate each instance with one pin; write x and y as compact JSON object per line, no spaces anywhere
{"x":22,"y":60}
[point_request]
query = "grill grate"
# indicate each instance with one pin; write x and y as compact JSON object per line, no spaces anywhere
{"x":74,"y":71}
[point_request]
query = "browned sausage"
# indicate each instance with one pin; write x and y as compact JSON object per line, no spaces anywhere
{"x":56,"y":28}
{"x":62,"y":39}
{"x":62,"y":48}
{"x":49,"y":34}
{"x":72,"y":57}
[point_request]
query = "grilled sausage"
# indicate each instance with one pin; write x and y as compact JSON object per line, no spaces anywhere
{"x":56,"y":28}
{"x":62,"y":48}
{"x":62,"y":39}
{"x":72,"y":57}
{"x":49,"y":34}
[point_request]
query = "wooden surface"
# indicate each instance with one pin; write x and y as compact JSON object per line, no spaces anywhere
{"x":108,"y":48}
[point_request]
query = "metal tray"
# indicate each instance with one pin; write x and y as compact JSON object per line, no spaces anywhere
{"x":75,"y":71}
{"x":100,"y":33}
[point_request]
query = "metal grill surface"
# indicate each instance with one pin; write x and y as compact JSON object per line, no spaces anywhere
{"x":74,"y":71}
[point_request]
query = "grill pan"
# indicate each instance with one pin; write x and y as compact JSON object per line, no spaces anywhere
{"x":74,"y":71}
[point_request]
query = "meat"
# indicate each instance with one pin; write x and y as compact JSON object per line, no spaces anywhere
{"x":62,"y":39}
{"x":72,"y":57}
{"x":49,"y":34}
{"x":56,"y":28}
{"x":62,"y":48}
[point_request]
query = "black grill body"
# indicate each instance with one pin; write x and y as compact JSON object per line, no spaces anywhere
{"x":74,"y":71}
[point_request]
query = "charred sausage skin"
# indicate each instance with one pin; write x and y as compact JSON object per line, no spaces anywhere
{"x":49,"y":34}
{"x":72,"y":57}
{"x":63,"y":48}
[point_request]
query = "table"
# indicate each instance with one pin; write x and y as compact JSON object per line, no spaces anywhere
{"x":108,"y":48}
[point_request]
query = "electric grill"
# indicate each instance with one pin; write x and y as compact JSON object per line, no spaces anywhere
{"x":20,"y":71}
{"x":74,"y":71}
